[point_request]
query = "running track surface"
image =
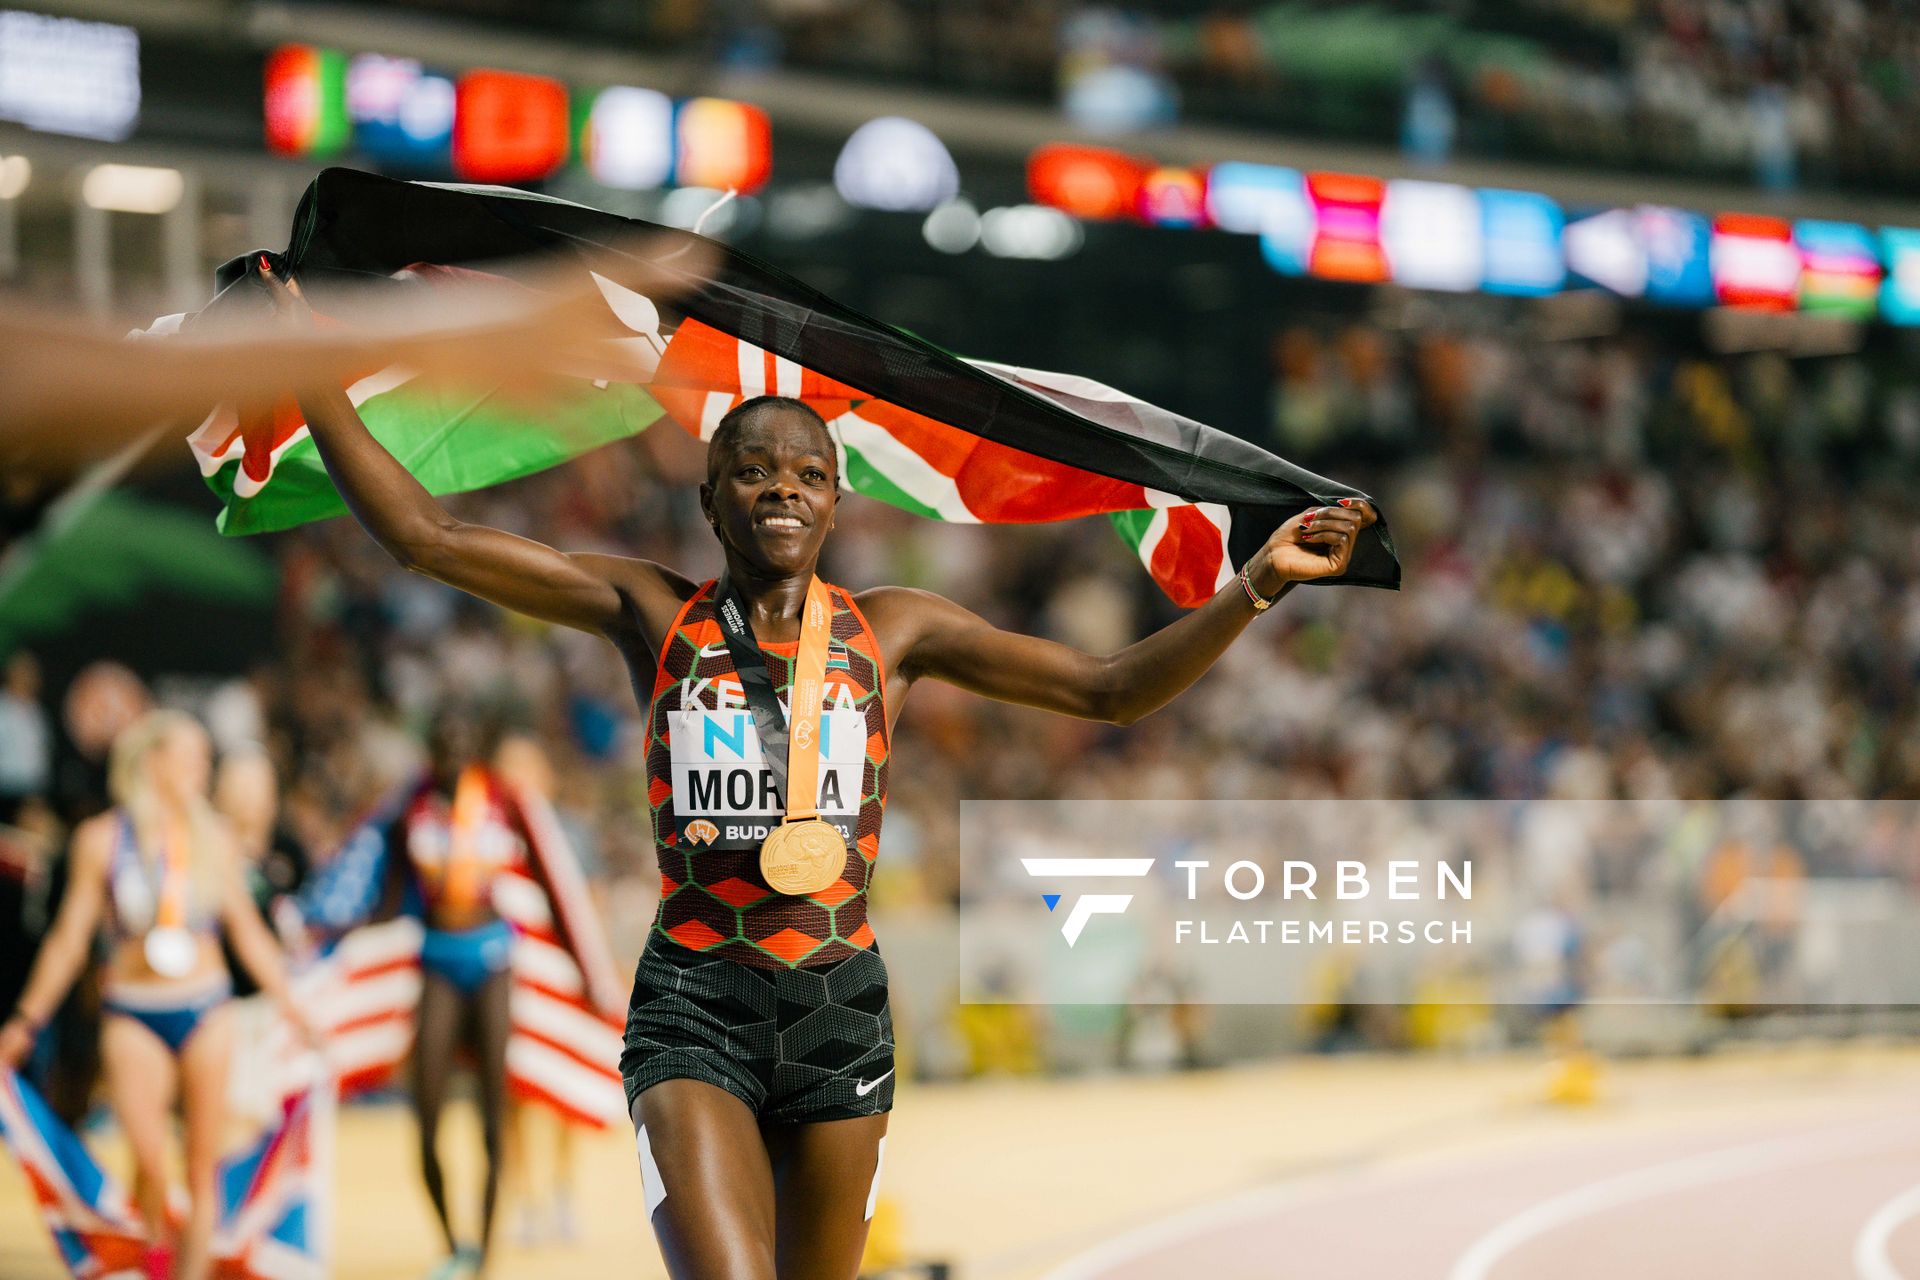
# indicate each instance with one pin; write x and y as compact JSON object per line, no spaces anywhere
{"x":1765,"y":1198}
{"x":1793,"y":1163}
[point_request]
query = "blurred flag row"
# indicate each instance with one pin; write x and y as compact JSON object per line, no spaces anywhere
{"x":489,"y":125}
{"x":1438,"y":235}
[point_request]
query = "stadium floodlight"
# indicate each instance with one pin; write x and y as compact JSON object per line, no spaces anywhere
{"x":897,"y":166}
{"x":15,"y":173}
{"x":954,"y":227}
{"x":132,"y":188}
{"x":1029,"y":231}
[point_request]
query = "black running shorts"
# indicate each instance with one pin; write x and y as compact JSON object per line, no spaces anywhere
{"x":795,"y":1045}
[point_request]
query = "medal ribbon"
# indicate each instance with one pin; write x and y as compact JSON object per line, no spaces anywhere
{"x":170,"y":905}
{"x":792,"y":746}
{"x":472,"y":805}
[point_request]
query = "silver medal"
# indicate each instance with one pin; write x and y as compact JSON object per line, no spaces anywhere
{"x":170,"y":952}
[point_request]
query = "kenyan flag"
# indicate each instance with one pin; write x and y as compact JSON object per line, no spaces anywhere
{"x":918,"y":428}
{"x":268,"y":474}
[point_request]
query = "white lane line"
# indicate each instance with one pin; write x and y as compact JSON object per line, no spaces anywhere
{"x":1101,"y":1260}
{"x":1724,"y":1165}
{"x":1871,"y":1260}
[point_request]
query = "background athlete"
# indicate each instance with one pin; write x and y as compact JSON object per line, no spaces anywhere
{"x":161,"y":861}
{"x":757,"y":1164}
{"x":451,"y":847}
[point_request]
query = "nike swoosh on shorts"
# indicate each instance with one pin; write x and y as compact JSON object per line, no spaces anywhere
{"x":864,"y":1087}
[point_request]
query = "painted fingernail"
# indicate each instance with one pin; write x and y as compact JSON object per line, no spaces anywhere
{"x":1346,"y":502}
{"x":264,"y":264}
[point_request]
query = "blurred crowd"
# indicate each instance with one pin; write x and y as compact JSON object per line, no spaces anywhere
{"x":1781,"y":89}
{"x":1785,"y":91}
{"x":1629,"y":572}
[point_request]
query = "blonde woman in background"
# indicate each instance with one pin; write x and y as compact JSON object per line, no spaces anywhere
{"x":246,"y":792}
{"x":160,"y":874}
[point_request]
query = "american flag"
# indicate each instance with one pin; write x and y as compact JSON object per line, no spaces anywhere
{"x":567,"y":1006}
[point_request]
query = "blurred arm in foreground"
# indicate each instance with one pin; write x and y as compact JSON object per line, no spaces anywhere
{"x":71,"y":392}
{"x":595,"y":593}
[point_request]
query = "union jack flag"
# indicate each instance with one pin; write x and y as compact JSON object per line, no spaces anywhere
{"x":272,"y":1219}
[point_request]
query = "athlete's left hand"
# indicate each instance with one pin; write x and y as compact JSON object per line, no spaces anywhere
{"x":1317,"y":543}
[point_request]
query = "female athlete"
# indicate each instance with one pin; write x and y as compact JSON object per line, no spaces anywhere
{"x":163,"y":871}
{"x":759,"y":1048}
{"x":437,"y":850}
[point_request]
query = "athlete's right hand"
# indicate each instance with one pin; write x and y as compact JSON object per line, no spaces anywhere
{"x":289,"y":304}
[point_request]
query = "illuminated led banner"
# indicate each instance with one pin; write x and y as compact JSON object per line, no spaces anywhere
{"x":1433,"y":236}
{"x":1754,"y":262}
{"x":1442,"y":236}
{"x":489,"y":125}
{"x":1087,"y":182}
{"x":1840,"y":269}
{"x":401,"y":113}
{"x":1900,"y":290}
{"x":306,"y":101}
{"x":64,"y":75}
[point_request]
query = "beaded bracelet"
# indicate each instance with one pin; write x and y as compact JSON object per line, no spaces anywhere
{"x":1260,"y":603}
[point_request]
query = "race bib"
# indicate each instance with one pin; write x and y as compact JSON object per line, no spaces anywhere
{"x":724,"y":795}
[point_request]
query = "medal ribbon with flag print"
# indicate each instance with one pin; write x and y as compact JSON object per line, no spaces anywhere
{"x":921,"y":429}
{"x":272,"y":1221}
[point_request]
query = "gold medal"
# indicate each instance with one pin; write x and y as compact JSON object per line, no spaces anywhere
{"x":803,"y":857}
{"x":805,"y":853}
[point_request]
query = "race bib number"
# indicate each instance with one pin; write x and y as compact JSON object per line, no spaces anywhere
{"x":723,"y":791}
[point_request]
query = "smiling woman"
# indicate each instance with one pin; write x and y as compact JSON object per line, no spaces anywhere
{"x":759,"y":1062}
{"x":746,"y":447}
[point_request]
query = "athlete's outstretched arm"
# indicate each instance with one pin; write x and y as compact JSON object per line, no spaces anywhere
{"x":591,"y":592}
{"x":68,"y":943}
{"x":943,"y":641}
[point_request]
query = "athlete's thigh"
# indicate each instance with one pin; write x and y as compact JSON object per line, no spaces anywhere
{"x":825,"y":1177}
{"x":436,"y":1034}
{"x":709,"y":1186}
{"x":141,"y":1079}
{"x":204,"y":1063}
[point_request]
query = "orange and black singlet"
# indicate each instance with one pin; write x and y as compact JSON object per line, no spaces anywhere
{"x":714,"y":800}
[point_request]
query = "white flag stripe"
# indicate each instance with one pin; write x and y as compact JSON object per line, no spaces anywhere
{"x":911,"y":473}
{"x":547,"y":965}
{"x":751,"y":363}
{"x":1156,"y":530}
{"x":592,"y":1040}
{"x":373,"y":1045}
{"x":786,"y":377}
{"x":358,"y":998}
{"x":1222,"y":519}
{"x":590,"y":1092}
{"x":519,"y":900}
{"x":713,"y":409}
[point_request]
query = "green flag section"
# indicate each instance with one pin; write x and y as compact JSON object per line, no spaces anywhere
{"x":112,"y":552}
{"x":452,"y":442}
{"x":916,"y":427}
